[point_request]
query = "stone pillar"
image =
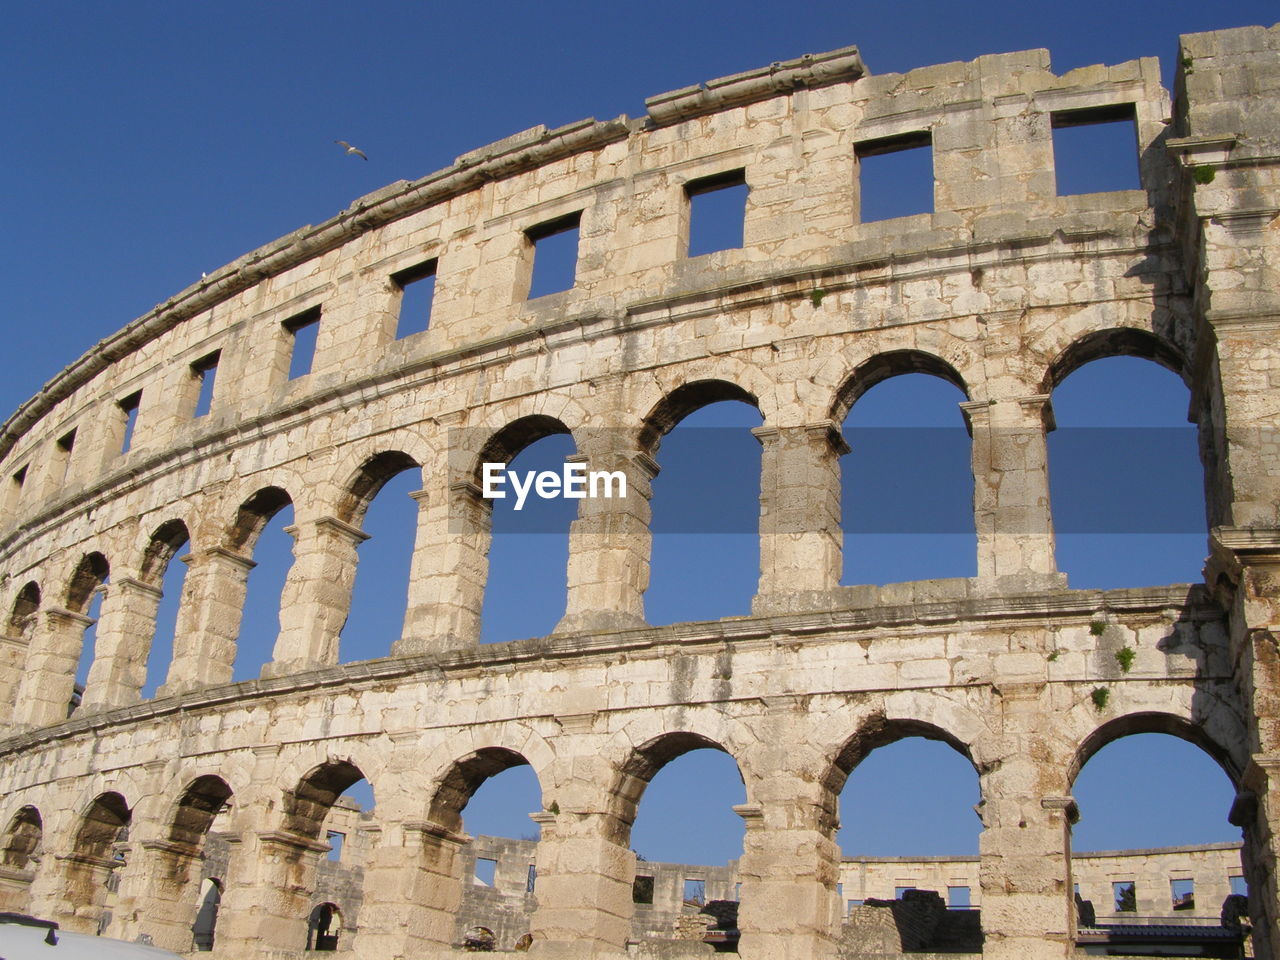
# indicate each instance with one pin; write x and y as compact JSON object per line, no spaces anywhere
{"x":80,"y":904}
{"x":412,"y":892}
{"x":317,"y":595}
{"x":268,"y":894}
{"x":1028,"y":903}
{"x":800,"y":535}
{"x":157,"y":895}
{"x":1011,"y":491}
{"x":584,"y":885}
{"x":123,"y":640}
{"x":204,"y":645}
{"x":450,"y":565}
{"x":48,"y":682}
{"x":610,"y":542}
{"x":789,"y":870}
{"x":15,"y":889}
{"x":13,"y":658}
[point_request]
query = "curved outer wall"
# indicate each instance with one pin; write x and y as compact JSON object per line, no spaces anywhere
{"x":1004,"y":289}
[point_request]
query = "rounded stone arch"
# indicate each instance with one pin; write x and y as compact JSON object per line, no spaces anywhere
{"x":22,"y":613}
{"x":879,"y":730}
{"x":192,"y":815}
{"x":89,"y":573}
{"x":666,"y":411}
{"x":453,"y":789}
{"x":307,"y":804}
{"x":883,"y":366}
{"x":640,"y":763}
{"x":23,"y":837}
{"x":1153,"y":721}
{"x":1066,"y":358}
{"x":360,"y":485}
{"x":162,"y":546}
{"x":505,"y":443}
{"x":252,"y":517}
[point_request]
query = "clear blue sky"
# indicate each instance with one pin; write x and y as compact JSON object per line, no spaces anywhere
{"x":148,"y":142}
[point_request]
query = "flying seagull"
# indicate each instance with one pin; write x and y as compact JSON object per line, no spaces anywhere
{"x":350,"y":150}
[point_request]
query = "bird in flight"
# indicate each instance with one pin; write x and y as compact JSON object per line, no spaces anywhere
{"x":350,"y":150}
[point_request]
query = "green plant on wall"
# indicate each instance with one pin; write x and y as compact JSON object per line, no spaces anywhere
{"x":1125,"y":657}
{"x":1100,"y":696}
{"x":1097,"y":628}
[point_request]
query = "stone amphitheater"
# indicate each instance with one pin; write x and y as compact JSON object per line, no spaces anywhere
{"x":1003,"y":289}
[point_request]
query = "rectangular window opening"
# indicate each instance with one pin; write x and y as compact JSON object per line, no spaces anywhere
{"x":1095,"y":150}
{"x":555,"y":255}
{"x":62,"y":451}
{"x":895,"y":176}
{"x":486,"y":870}
{"x":737,"y":892}
{"x":335,"y":841}
{"x":717,"y":212}
{"x":1183,"y":893}
{"x":1238,"y":886}
{"x":417,"y":287}
{"x":129,"y":407}
{"x":642,"y":890}
{"x":302,"y":331}
{"x":1125,"y":894}
{"x":205,"y":371}
{"x":958,"y":898}
{"x":531,"y":880}
{"x":898,"y":891}
{"x":695,"y":892}
{"x":851,"y":906}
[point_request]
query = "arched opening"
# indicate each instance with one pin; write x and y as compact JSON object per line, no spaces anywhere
{"x":909,"y":872}
{"x":488,"y":797}
{"x":22,"y":615}
{"x":379,"y":501}
{"x":158,"y":570}
{"x":705,"y":559}
{"x":676,"y":801}
{"x":19,"y":856}
{"x":261,"y":532}
{"x":331,"y":814}
{"x":15,"y":643}
{"x":907,"y":482}
{"x":1153,"y":844}
{"x":90,"y":881}
{"x":528,"y":556}
{"x":84,"y":597}
{"x":324,"y":927}
{"x":1125,"y":476}
{"x":204,"y":929}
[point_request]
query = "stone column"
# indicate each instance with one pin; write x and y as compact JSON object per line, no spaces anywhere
{"x":317,"y":595}
{"x":204,"y":645}
{"x":1011,"y":491}
{"x":800,"y":535}
{"x":80,"y":904}
{"x":157,"y":895}
{"x":15,"y":889}
{"x":123,"y":640}
{"x":1028,"y":904}
{"x":450,"y":565}
{"x":584,"y":884}
{"x":412,"y":892}
{"x":13,"y":659}
{"x":610,"y":542}
{"x":789,"y":869}
{"x":48,"y":681}
{"x":268,"y":894}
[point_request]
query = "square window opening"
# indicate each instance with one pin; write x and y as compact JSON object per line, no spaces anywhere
{"x":958,"y":898}
{"x":486,"y":870}
{"x":129,"y":408}
{"x":302,"y":331}
{"x":19,"y":478}
{"x":335,"y":841}
{"x":205,"y":372}
{"x":717,"y":212}
{"x":1125,"y":895}
{"x":62,"y":451}
{"x":695,"y":892}
{"x":1238,"y":886}
{"x":853,"y":904}
{"x":1095,"y":150}
{"x":642,"y":890}
{"x":898,"y":891}
{"x":555,"y":255}
{"x":895,"y":176}
{"x":417,"y":287}
{"x":1183,"y":893}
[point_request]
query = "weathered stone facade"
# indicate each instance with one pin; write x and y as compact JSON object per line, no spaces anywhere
{"x":1003,"y":289}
